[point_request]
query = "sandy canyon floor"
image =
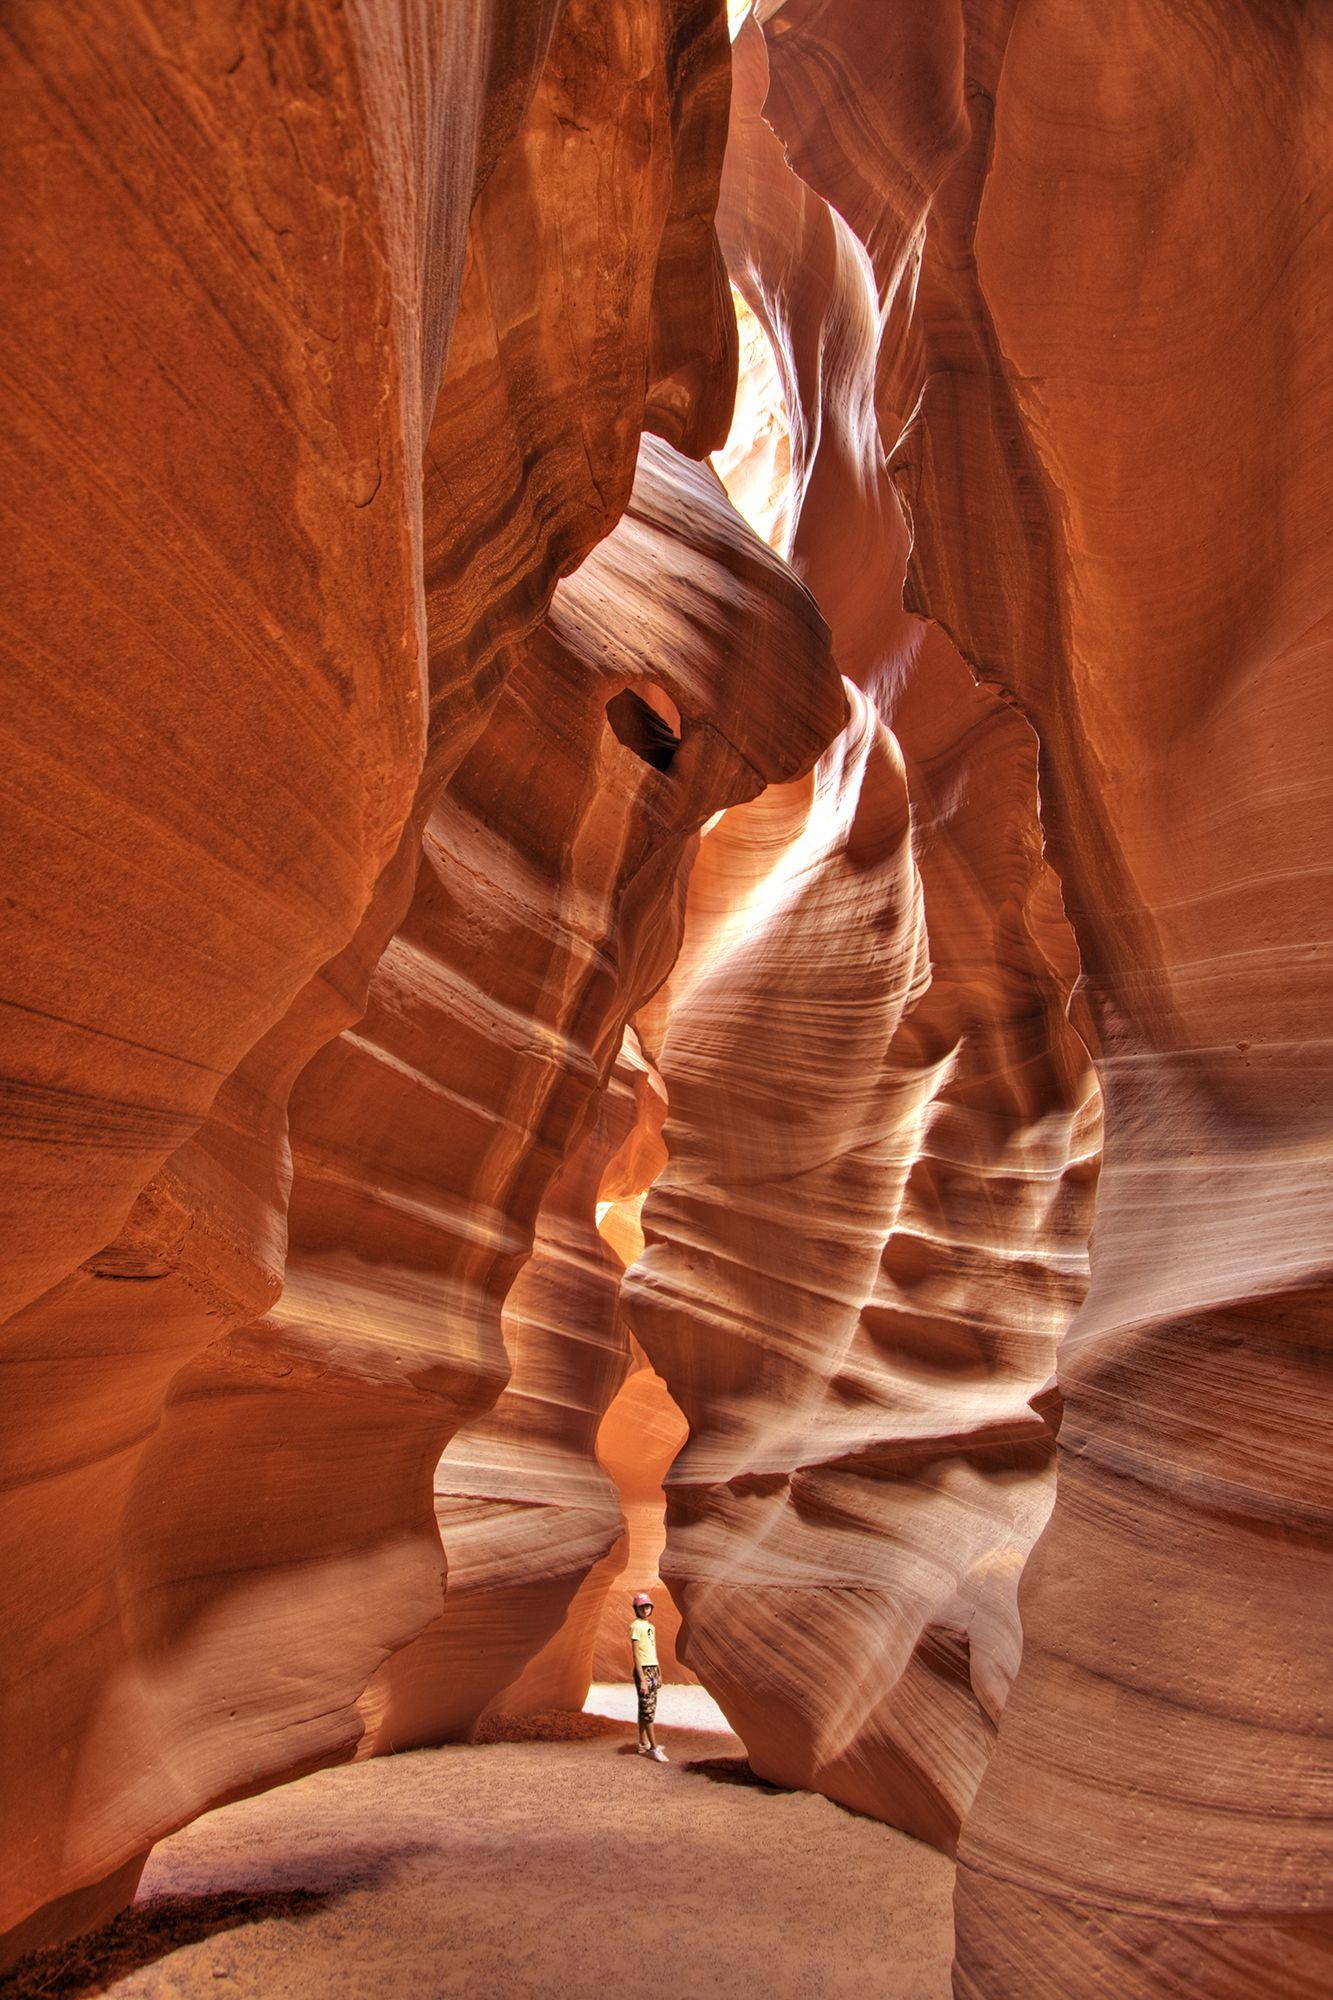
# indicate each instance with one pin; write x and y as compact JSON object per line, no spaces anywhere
{"x":567,"y":1867}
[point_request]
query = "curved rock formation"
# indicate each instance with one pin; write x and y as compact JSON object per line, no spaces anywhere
{"x":548,"y":909}
{"x":524,"y":1511}
{"x":1117,"y":487}
{"x":882,"y":1132}
{"x":640,"y":1437}
{"x":275,"y":568}
{"x":545,"y":1498}
{"x":390,"y":725}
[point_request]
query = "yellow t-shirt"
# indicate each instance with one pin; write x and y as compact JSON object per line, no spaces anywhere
{"x":643,"y":1638}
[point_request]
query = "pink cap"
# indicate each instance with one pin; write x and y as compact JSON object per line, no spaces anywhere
{"x":639,"y":1598}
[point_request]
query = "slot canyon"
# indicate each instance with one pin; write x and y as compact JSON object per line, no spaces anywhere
{"x":667,"y":814}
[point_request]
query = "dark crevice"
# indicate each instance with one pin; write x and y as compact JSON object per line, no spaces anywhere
{"x":642,"y":730}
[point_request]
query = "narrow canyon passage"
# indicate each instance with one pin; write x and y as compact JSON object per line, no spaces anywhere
{"x":665,"y":807}
{"x":530,"y":1869}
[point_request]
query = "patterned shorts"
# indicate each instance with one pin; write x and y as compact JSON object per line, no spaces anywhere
{"x":647,"y":1680}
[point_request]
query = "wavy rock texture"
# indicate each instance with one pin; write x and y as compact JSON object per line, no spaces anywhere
{"x":548,"y":1496}
{"x":524,"y":1511}
{"x":372,"y":692}
{"x":551,"y":910}
{"x":1118,"y":479}
{"x":859,"y":1267}
{"x":640,"y":1437}
{"x":280,"y":578}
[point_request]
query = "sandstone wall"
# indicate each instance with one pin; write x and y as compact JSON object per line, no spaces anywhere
{"x":274,"y":593}
{"x":882,"y":1127}
{"x":1114,"y":461}
{"x":389,"y":725}
{"x":548,"y":908}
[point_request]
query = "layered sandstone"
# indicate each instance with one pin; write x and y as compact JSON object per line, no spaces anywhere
{"x":391,"y":725}
{"x":679,"y":669}
{"x":1114,"y":395}
{"x":640,"y":1438}
{"x":283,"y":570}
{"x":555,"y":1492}
{"x":882,"y":1128}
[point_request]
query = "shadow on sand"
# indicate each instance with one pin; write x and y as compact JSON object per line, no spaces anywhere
{"x":149,"y":1931}
{"x":734,"y":1771}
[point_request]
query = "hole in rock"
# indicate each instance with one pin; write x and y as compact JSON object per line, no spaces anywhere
{"x":647,"y":723}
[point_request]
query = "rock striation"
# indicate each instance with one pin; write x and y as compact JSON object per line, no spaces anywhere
{"x":299,"y":581}
{"x":640,"y":1437}
{"x":548,"y":909}
{"x":459,"y":846}
{"x":1114,"y":399}
{"x":883,"y":1129}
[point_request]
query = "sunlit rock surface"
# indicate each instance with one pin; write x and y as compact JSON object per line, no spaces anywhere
{"x":882,"y":1127}
{"x":678,"y":669}
{"x":524,"y":1510}
{"x":437,"y":836}
{"x":1115,"y":407}
{"x":640,"y":1437}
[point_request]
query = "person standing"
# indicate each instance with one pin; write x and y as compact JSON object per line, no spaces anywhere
{"x":647,"y":1674}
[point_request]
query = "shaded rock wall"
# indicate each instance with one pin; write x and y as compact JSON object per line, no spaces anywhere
{"x":882,"y":1128}
{"x":277,"y":573}
{"x":550,"y":910}
{"x":1114,"y":395}
{"x":370,"y":690}
{"x":523,"y":1509}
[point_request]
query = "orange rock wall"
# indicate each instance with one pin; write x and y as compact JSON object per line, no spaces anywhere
{"x":1113,"y":392}
{"x":548,"y":908}
{"x":882,"y":1127}
{"x":276,"y":574}
{"x":640,"y":1438}
{"x":389,"y":724}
